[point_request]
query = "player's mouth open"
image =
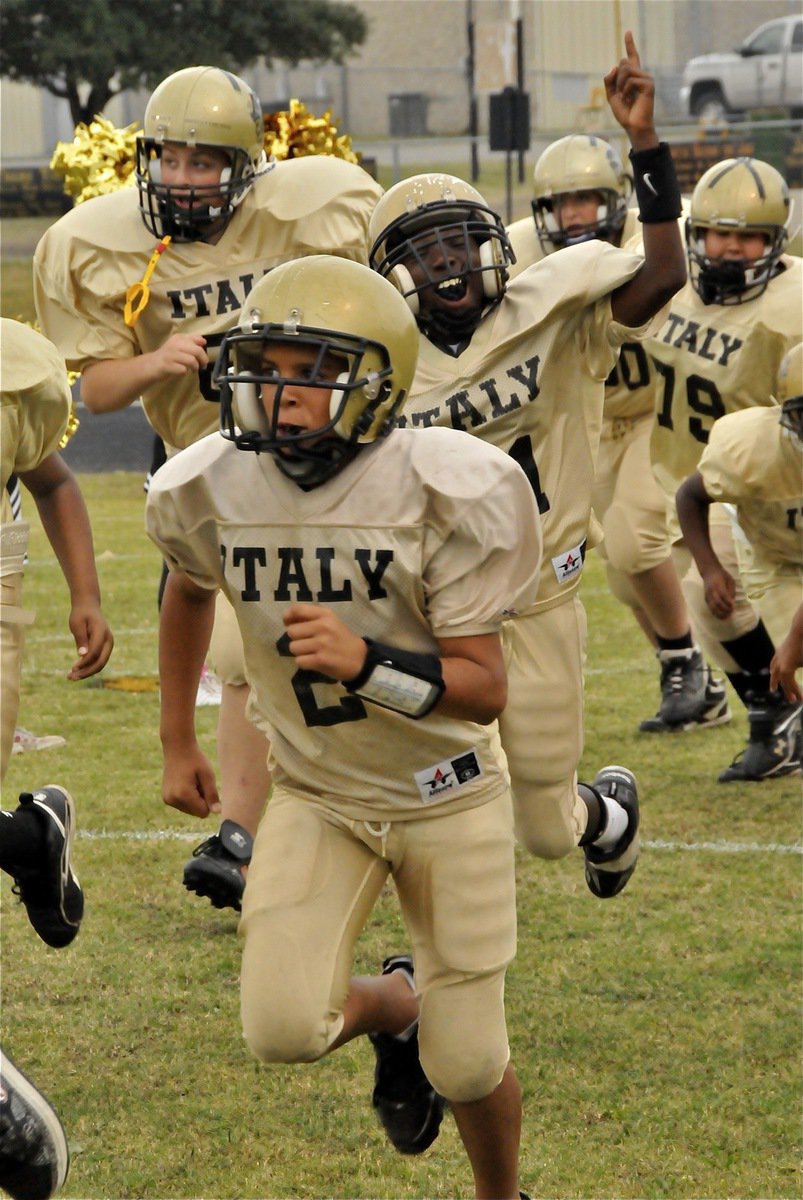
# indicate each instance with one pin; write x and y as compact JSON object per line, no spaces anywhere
{"x":452,"y":289}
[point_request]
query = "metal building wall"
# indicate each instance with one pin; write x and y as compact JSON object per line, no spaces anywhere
{"x":410,"y":78}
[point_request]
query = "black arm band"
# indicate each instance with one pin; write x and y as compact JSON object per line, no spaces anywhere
{"x":406,"y":682}
{"x":656,"y":184}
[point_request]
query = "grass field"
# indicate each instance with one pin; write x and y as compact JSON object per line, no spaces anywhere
{"x":656,"y":1036}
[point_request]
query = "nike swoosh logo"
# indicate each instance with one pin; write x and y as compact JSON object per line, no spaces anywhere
{"x":648,"y":181}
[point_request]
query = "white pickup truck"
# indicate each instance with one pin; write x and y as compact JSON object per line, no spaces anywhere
{"x":766,"y":71}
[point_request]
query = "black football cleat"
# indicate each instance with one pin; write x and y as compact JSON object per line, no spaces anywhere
{"x":774,"y":748}
{"x":715,"y":711}
{"x":408,"y":1107}
{"x":215,"y":869}
{"x":50,"y":890}
{"x":683,"y":682}
{"x":607,"y":871}
{"x":34,"y":1158}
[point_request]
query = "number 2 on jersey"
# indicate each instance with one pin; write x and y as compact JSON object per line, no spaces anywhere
{"x":348,"y":708}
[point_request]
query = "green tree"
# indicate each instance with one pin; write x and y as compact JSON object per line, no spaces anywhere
{"x":87,"y":51}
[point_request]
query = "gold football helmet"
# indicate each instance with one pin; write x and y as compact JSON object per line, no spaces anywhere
{"x":446,"y":205}
{"x":789,"y":392}
{"x":743,"y":194}
{"x":204,"y":107}
{"x":336,"y":307}
{"x":580,"y":162}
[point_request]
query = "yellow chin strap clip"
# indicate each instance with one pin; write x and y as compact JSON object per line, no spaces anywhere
{"x":138,"y":294}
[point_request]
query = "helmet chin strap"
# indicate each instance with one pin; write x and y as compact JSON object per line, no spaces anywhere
{"x":316,"y":464}
{"x":727,"y":276}
{"x":575,"y":239}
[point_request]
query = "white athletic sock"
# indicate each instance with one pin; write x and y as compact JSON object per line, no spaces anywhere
{"x":615,"y":825}
{"x":407,"y":1033}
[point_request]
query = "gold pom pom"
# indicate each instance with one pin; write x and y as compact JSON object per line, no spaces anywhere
{"x":294,"y":132}
{"x":72,"y":421}
{"x":101,"y":158}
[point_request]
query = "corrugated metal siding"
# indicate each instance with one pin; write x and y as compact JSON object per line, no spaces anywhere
{"x":418,"y":48}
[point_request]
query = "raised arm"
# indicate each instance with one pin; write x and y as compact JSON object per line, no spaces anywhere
{"x":631,"y":96}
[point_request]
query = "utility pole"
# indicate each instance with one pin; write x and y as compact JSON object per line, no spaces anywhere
{"x":471,"y":67}
{"x":519,"y":69}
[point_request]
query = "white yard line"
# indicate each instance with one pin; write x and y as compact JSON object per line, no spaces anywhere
{"x":162,"y":835}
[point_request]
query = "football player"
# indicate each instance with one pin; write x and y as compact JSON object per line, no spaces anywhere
{"x":581,"y":191}
{"x":523,"y":366}
{"x":36,"y":838}
{"x":35,"y":411}
{"x":370,"y":569}
{"x":719,"y":351}
{"x":754,"y":460}
{"x":137,"y":288}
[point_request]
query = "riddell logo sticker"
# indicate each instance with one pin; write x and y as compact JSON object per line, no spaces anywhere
{"x":568,"y":564}
{"x":447,"y":776}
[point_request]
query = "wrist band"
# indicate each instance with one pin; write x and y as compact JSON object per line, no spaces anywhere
{"x":656,"y":184}
{"x":401,"y":680}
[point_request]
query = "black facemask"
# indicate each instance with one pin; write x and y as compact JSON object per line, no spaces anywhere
{"x":723,"y":278}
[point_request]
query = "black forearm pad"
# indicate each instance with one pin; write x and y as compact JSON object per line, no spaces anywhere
{"x":402,"y":680}
{"x":656,"y":184}
{"x":237,"y":841}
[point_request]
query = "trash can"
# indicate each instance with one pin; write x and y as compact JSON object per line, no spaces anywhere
{"x":407,"y":112}
{"x":770,"y":145}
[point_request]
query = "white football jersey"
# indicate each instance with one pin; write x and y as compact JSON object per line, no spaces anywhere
{"x":752,"y":462}
{"x":525,"y":244}
{"x":35,"y":402}
{"x":528,"y":249}
{"x":716,"y":359}
{"x":629,"y":389}
{"x":423,"y":536}
{"x":531,"y":381}
{"x":87,"y":260}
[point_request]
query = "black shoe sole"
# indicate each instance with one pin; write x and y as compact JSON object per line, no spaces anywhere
{"x":47,"y":1174}
{"x":778,"y":773}
{"x":57,"y":918}
{"x":427,"y":1134}
{"x":216,"y":887}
